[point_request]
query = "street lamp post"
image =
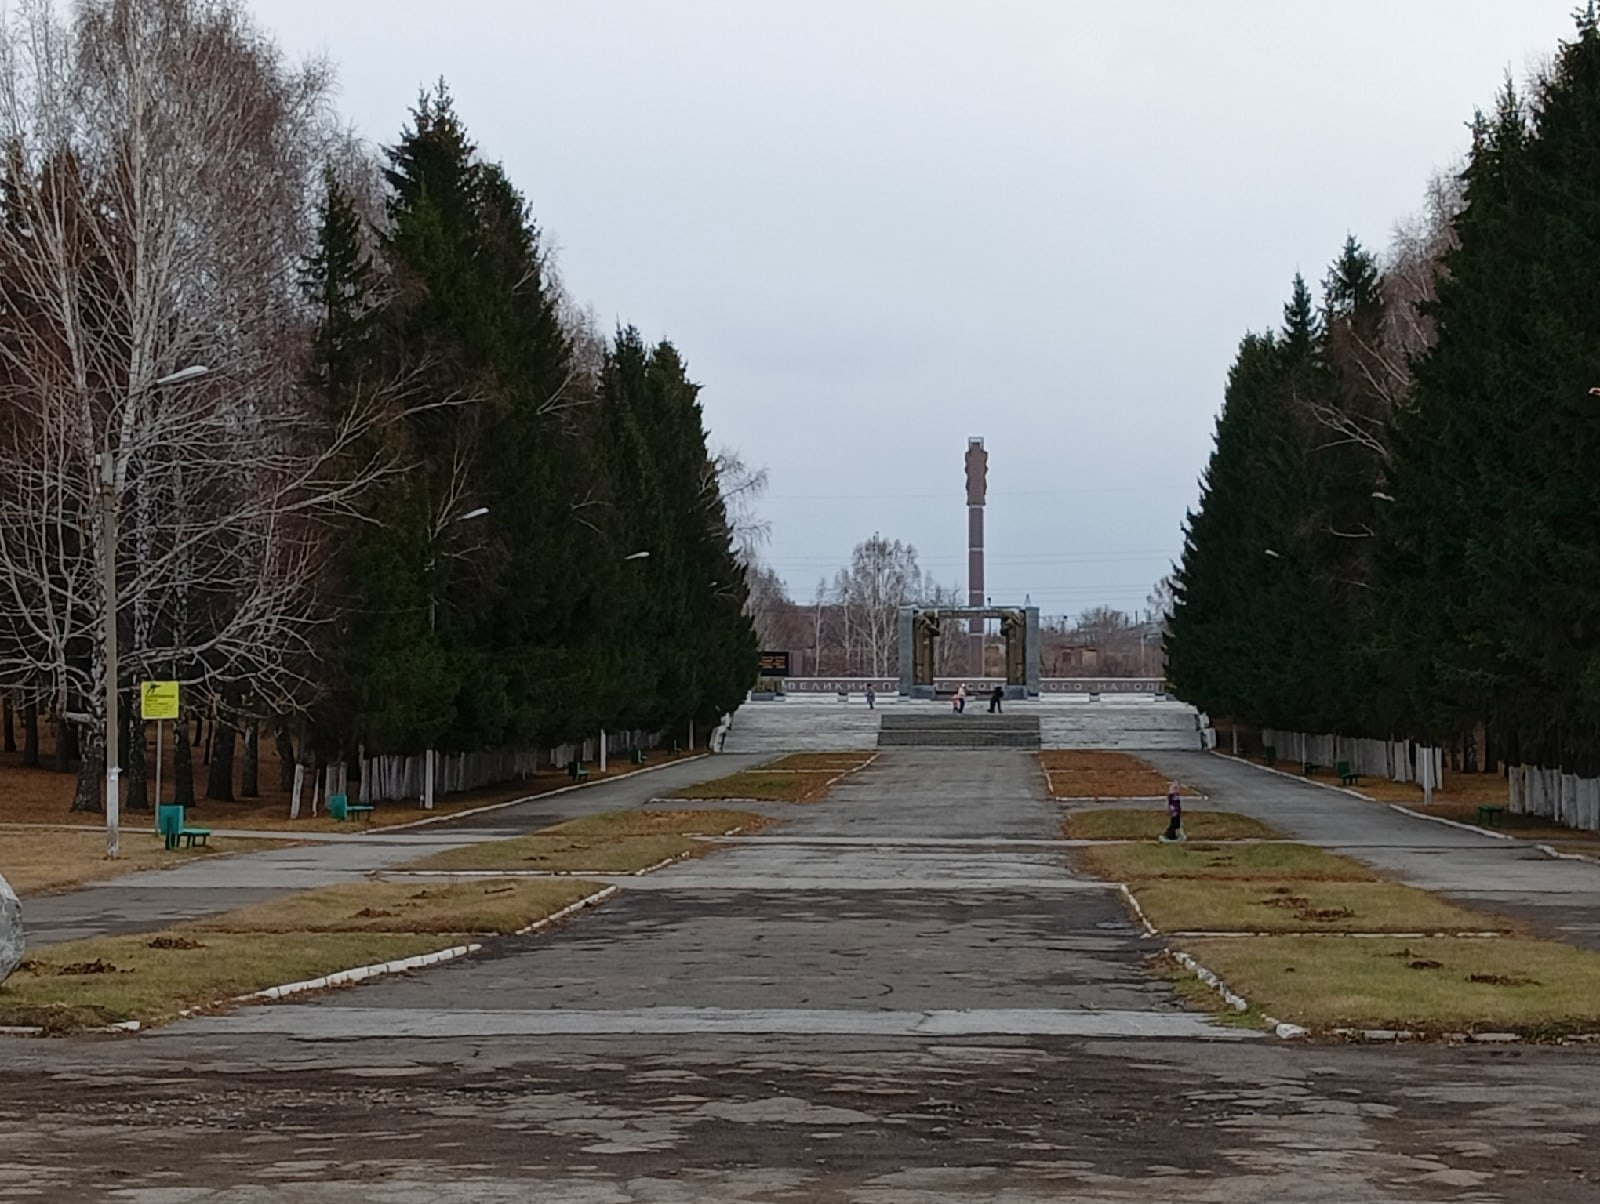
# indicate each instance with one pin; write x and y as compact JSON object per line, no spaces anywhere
{"x":108,"y":553}
{"x":108,"y":541}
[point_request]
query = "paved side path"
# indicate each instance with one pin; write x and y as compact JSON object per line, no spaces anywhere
{"x":1559,"y":898}
{"x":155,"y":898}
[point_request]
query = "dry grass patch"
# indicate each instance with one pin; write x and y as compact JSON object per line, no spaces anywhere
{"x":705,"y":822}
{"x":1138,"y":862}
{"x":36,"y":860}
{"x":831,"y":762}
{"x":1121,"y":823}
{"x":618,"y":842}
{"x":763,"y":786}
{"x":1461,"y":790}
{"x":493,"y":905}
{"x":1443,"y":984}
{"x":153,"y":976}
{"x":1201,"y":905}
{"x":1078,"y":773}
{"x":562,"y":854}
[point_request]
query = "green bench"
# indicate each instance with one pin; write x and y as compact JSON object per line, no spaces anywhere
{"x":170,"y":827}
{"x":1269,"y":754}
{"x":341,"y":808}
{"x":636,"y":756}
{"x":1347,"y":776}
{"x":1491,"y":817}
{"x":577,"y":770}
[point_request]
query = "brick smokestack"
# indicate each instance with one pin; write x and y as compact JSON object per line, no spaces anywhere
{"x":977,"y":496}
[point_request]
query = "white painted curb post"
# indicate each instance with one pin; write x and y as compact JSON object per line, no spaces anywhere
{"x":602,"y":750}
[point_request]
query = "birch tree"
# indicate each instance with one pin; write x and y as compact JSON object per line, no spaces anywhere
{"x":159,"y":186}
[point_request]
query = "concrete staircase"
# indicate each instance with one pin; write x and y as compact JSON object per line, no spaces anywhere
{"x":1144,"y":724}
{"x":943,"y":728}
{"x":786,"y":727}
{"x":817,"y":725}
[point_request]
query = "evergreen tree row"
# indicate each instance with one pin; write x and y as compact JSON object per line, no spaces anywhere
{"x":1404,"y":542}
{"x":553,"y":554}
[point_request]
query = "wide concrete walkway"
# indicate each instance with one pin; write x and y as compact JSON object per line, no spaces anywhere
{"x":1559,"y":898}
{"x":899,"y":997}
{"x":861,"y":934}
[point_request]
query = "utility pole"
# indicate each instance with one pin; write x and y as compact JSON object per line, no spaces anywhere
{"x":108,"y":554}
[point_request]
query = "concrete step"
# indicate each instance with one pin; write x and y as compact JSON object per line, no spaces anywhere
{"x":954,"y":738}
{"x":946,"y":719}
{"x":782,"y":727}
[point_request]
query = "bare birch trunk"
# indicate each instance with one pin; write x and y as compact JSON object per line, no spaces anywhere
{"x":250,"y":783}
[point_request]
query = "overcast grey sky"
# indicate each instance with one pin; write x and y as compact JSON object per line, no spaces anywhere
{"x":878,"y":228}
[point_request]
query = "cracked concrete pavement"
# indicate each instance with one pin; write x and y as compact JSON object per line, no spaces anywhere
{"x":882,"y":1003}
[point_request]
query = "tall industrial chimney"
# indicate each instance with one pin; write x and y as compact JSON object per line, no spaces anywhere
{"x":977,"y":495}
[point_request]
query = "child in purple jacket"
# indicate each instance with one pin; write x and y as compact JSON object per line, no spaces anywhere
{"x":1174,"y":814}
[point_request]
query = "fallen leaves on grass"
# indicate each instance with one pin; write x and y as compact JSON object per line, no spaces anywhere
{"x":1278,"y":862}
{"x":476,"y":906}
{"x":153,"y":983}
{"x":1208,"y":905}
{"x":1518,"y":984}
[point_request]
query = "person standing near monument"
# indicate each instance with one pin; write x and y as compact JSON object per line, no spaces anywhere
{"x":872,"y":697}
{"x":1174,"y":814}
{"x":996,"y":697}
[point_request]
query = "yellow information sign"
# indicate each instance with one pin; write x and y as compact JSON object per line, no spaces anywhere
{"x":158,"y":700}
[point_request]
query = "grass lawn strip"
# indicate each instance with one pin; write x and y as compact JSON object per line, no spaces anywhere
{"x":151,"y":977}
{"x":562,"y":854}
{"x":1120,"y":823}
{"x":622,"y":842}
{"x":302,"y":940}
{"x":501,"y":906}
{"x":1431,"y":985}
{"x":832,"y":761}
{"x":1133,"y":863}
{"x":676,"y":822}
{"x":1302,"y":906}
{"x":764,"y":786}
{"x":37,"y":860}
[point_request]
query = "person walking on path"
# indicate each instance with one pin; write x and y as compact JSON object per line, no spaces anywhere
{"x":996,"y":697}
{"x":1174,"y":814}
{"x":872,"y":698}
{"x":959,"y":702}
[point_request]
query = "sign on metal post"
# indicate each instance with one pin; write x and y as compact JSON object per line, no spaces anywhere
{"x":158,"y":700}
